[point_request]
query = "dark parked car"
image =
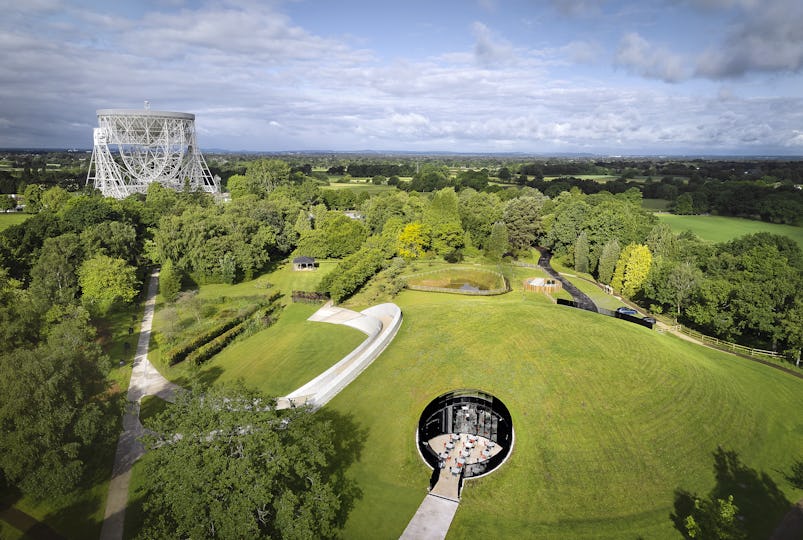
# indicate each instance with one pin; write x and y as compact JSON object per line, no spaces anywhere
{"x":624,"y":310}
{"x":650,"y":320}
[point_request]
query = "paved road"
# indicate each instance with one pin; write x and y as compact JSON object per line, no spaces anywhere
{"x":145,"y":381}
{"x":580,"y":298}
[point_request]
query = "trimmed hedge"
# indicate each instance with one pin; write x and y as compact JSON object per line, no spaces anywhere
{"x":210,"y":349}
{"x":181,"y":351}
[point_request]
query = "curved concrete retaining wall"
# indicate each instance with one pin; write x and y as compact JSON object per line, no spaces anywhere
{"x":380,"y":323}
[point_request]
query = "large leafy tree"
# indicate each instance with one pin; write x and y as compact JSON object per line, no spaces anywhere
{"x":225,"y":464}
{"x":522,"y":215}
{"x":412,"y":241}
{"x":479,"y":211}
{"x":607,"y":260}
{"x":105,"y":281}
{"x":54,"y":276}
{"x":51,"y":413}
{"x":632,"y":269}
{"x":442,"y":218}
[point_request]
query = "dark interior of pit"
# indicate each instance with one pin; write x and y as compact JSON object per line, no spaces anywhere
{"x":463,"y":434}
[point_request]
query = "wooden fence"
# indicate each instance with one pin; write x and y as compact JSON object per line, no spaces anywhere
{"x":488,"y":292}
{"x":727,"y":345}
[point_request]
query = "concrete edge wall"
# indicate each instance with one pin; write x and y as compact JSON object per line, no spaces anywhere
{"x":328,"y":384}
{"x":370,"y":353}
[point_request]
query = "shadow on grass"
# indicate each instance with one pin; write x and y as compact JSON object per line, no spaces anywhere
{"x":348,"y":444}
{"x":761,"y":503}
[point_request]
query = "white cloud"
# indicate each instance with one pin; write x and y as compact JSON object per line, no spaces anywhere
{"x":258,"y":80}
{"x":639,"y":56}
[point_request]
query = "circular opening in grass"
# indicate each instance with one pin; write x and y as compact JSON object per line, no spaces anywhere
{"x":465,"y":433}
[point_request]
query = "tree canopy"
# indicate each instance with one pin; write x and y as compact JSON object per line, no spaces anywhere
{"x":226,"y":464}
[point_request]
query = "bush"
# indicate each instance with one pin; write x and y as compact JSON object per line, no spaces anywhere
{"x":190,"y":347}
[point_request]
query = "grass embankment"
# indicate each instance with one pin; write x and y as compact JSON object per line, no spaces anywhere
{"x":12,"y":218}
{"x":277,"y":359}
{"x":610,"y":419}
{"x":722,"y":229}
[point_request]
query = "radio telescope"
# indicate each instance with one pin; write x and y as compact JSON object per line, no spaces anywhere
{"x":151,"y":146}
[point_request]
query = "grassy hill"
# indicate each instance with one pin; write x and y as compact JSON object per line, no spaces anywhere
{"x":611,"y":420}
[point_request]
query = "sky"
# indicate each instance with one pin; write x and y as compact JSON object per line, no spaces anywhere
{"x":608,"y":77}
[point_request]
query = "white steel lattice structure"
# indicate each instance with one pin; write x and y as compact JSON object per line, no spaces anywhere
{"x":151,"y":146}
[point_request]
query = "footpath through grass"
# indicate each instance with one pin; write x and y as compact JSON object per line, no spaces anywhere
{"x":723,"y":229}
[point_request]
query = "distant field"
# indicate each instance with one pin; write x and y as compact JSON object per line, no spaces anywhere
{"x":657,"y":205}
{"x":7,"y":220}
{"x":596,"y":177}
{"x":360,"y":188}
{"x":723,"y":229}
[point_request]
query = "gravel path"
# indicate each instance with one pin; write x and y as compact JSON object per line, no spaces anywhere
{"x":145,"y":381}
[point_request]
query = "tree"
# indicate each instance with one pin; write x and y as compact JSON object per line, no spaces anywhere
{"x":54,"y":198}
{"x":113,"y":238}
{"x":498,"y":243}
{"x":105,"y":281}
{"x":632,"y":269}
{"x":607,"y":261}
{"x":681,"y":282}
{"x":581,"y":253}
{"x":169,"y":281}
{"x":225,"y":464}
{"x":54,"y":279}
{"x":442,"y":219}
{"x":50,"y":407}
{"x":33,"y":198}
{"x":266,"y":174}
{"x":478,"y":213}
{"x":684,"y":204}
{"x":7,"y":203}
{"x":715,"y":519}
{"x":413,"y":241}
{"x":522,"y":216}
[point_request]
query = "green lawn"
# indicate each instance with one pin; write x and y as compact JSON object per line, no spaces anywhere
{"x":14,"y":218}
{"x":366,"y":187}
{"x":610,"y":418}
{"x":277,"y":359}
{"x":723,"y":229}
{"x":285,"y":356}
{"x":656,"y":205}
{"x":604,"y":436}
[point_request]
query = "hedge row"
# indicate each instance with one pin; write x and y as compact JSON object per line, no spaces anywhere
{"x":182,"y":350}
{"x":352,"y":272}
{"x":210,"y":349}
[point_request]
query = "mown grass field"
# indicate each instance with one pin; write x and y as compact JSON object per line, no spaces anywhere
{"x":357,"y":187}
{"x":610,"y":419}
{"x":723,"y":229}
{"x":12,"y":218}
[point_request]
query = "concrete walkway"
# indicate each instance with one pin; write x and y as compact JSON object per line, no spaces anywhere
{"x":145,"y":381}
{"x":432,"y":519}
{"x":380,"y":323}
